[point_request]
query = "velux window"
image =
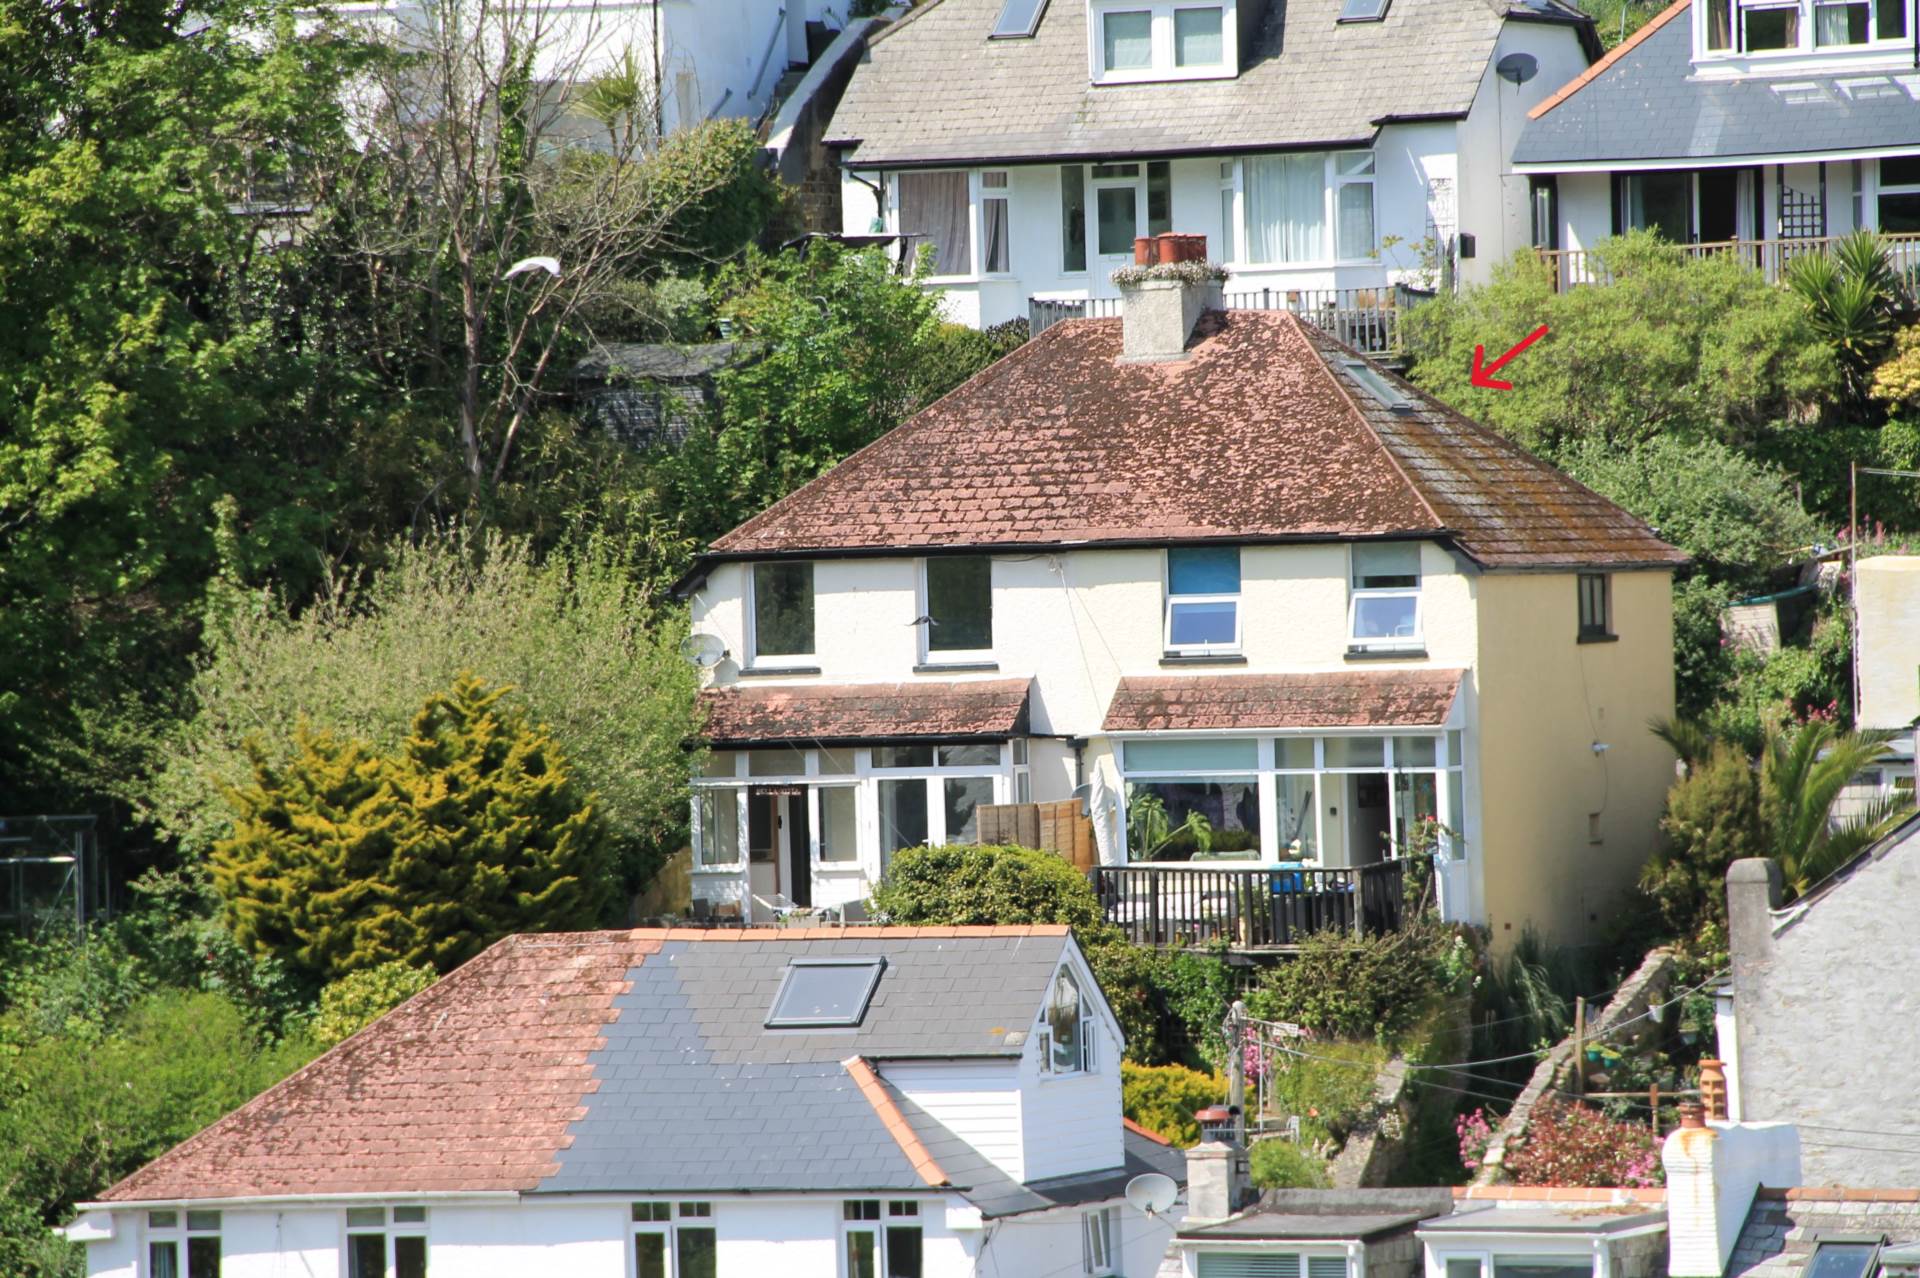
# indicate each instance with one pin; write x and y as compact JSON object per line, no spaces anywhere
{"x":1203,"y":599}
{"x":183,"y":1244}
{"x":782,"y":612}
{"x":674,"y":1240}
{"x":1384,"y":610}
{"x":1066,"y":1046}
{"x":386,"y":1244}
{"x":882,"y":1244}
{"x":959,"y":607}
{"x":825,"y":992}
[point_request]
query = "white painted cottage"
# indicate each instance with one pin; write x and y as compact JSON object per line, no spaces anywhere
{"x":1314,"y":143}
{"x":729,"y":1103}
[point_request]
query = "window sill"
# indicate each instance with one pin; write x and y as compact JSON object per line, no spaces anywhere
{"x":735,"y":868}
{"x":954,"y":667}
{"x":1387,"y":654}
{"x":1202,"y":659}
{"x":1597,"y":639}
{"x":774,"y":672}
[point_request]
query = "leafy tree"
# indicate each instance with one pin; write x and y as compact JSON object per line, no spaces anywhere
{"x":1694,"y":347}
{"x":582,"y":651}
{"x":341,"y":859}
{"x":358,"y":999}
{"x":75,"y":1119}
{"x":1712,"y":819}
{"x":839,"y":337}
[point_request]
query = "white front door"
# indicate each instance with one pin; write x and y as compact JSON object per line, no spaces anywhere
{"x":1118,"y":213}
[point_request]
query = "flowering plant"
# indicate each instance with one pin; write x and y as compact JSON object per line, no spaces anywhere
{"x":1567,"y":1144}
{"x":1475,"y":1134}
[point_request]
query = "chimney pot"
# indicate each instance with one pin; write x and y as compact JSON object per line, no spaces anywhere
{"x":1692,"y":1114}
{"x":1713,"y":1088}
{"x":1142,"y":251}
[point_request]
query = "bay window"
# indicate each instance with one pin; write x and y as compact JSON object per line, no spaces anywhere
{"x":1309,"y":208}
{"x":934,"y":208}
{"x":1338,"y":800}
{"x":1384,"y":608}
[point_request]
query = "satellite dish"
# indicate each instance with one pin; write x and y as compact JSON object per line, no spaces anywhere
{"x":1152,"y":1193}
{"x":703,"y":651}
{"x":1517,"y":67}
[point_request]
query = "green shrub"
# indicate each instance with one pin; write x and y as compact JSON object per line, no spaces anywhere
{"x":1712,"y":820}
{"x":1565,"y":1144}
{"x":1194,"y":992}
{"x":1346,"y":986}
{"x":1282,"y":1164}
{"x":724,"y":199}
{"x":1164,"y":1098}
{"x":1125,"y":973}
{"x":984,"y":883}
{"x":358,"y":999}
{"x":1330,"y":1087}
{"x":342,"y":858}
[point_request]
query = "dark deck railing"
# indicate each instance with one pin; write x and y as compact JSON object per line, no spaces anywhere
{"x":1248,"y":907}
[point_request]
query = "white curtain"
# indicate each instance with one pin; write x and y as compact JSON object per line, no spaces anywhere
{"x":933,"y":208}
{"x":1286,"y":208}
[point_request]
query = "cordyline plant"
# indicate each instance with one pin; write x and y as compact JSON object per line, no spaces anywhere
{"x":1570,"y":1145}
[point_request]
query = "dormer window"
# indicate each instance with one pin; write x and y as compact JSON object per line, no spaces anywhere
{"x":1134,"y":40}
{"x":1065,"y":1045}
{"x":1776,"y":26}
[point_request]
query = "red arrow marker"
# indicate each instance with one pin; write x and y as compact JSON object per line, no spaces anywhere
{"x":1484,"y":377}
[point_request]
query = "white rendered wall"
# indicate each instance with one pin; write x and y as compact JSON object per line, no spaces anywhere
{"x":1048,"y":1243}
{"x":1071,"y":1122}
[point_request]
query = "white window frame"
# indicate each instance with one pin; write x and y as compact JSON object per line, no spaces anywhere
{"x":1229,"y":648}
{"x":1331,"y":180}
{"x":1410,"y":644}
{"x":1448,"y":762}
{"x":924,"y":608}
{"x":1088,"y":1056}
{"x":390,"y":1230}
{"x":1096,"y":1243}
{"x":1161,"y":27}
{"x":756,"y":660}
{"x":889,"y":1211}
{"x":982,"y":195}
{"x":668,"y":1229}
{"x":1874,"y":44}
{"x":178,"y":1235}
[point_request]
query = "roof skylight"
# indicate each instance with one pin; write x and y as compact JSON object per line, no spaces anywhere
{"x":825,"y":992}
{"x":1377,"y":386}
{"x":1363,"y":10}
{"x":1018,"y":19}
{"x":1842,"y":1260}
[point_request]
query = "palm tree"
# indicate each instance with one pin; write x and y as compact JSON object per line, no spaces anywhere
{"x":1802,"y":772}
{"x":1851,"y":295}
{"x":1803,"y":769}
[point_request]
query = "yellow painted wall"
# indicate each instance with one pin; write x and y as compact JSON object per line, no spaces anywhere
{"x":1544,"y":699}
{"x":1887,"y":593}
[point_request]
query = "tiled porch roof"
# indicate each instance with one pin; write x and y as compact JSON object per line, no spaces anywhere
{"x":1331,"y":699}
{"x":740,"y":715}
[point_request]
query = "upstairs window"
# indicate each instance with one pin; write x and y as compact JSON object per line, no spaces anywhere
{"x":1203,"y":599}
{"x":1764,"y":26}
{"x":1596,"y":605}
{"x":1384,"y":613}
{"x":1161,"y":40}
{"x":959,"y":607}
{"x":934,"y":210}
{"x":1065,"y":1045}
{"x":782,"y":612}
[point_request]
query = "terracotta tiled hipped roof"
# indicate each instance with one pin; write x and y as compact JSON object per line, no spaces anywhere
{"x":1262,"y":433}
{"x":1335,"y":699}
{"x":737,"y":714}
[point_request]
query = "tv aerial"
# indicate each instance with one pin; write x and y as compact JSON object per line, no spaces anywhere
{"x":1152,"y":1193}
{"x":703,"y":651}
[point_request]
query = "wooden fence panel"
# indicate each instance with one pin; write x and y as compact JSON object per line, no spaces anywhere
{"x":1052,"y":827}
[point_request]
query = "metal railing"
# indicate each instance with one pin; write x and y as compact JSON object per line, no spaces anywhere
{"x":1367,"y":319}
{"x":1248,"y":907}
{"x":1771,"y":258}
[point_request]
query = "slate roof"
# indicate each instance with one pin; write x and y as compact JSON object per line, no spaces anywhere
{"x":1783,"y":1226}
{"x":631,"y":1062}
{"x":1644,"y":103}
{"x":1260,"y":433}
{"x":1360,"y":1214}
{"x":1329,"y":699}
{"x":935,"y":89}
{"x":745,"y":714}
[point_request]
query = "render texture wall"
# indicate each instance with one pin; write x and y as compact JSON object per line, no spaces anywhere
{"x":1824,"y":1015}
{"x":1544,"y":700}
{"x":1886,"y":591}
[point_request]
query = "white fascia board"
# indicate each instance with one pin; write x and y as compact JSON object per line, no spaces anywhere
{"x":297,"y":1200}
{"x":1717,"y":161}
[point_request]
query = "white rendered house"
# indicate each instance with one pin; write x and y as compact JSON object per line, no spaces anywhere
{"x":1316,"y":144}
{"x":1762,"y":127}
{"x":1257,"y":583}
{"x":866,"y":1103}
